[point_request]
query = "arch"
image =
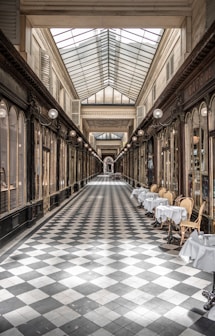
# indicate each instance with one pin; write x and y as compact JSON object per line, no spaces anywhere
{"x":108,"y":166}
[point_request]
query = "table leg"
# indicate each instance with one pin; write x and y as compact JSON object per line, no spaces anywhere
{"x":170,"y":237}
{"x":210,"y":296}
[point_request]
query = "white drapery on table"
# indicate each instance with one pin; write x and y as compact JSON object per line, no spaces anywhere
{"x":137,"y":191}
{"x":151,"y":203}
{"x":142,"y":196}
{"x":196,"y":248}
{"x":172,"y":212}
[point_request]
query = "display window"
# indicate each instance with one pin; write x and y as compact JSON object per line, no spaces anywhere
{"x":12,"y":159}
{"x":168,"y":157}
{"x":211,"y":123}
{"x":197,"y":139}
{"x":63,"y":164}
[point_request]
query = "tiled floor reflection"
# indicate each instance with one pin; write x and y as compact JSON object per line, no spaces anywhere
{"x":100,"y":268}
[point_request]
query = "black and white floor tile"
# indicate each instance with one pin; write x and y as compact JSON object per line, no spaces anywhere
{"x":98,"y":267}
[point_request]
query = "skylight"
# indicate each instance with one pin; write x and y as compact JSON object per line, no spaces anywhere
{"x":100,"y":58}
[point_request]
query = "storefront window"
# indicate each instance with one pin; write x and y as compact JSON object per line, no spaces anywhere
{"x":150,"y":161}
{"x":21,"y":185}
{"x":142,"y":166}
{"x":168,"y":157}
{"x":12,"y":157}
{"x":195,"y":156}
{"x":198,"y":180}
{"x":174,"y":158}
{"x":165,"y":159}
{"x":53,"y":166}
{"x":4,"y":140}
{"x":12,"y":160}
{"x":72,"y":165}
{"x":63,"y":164}
{"x":38,"y":161}
{"x":211,"y":117}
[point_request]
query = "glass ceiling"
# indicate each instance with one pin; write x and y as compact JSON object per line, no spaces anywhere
{"x":107,"y":66}
{"x":108,"y":136}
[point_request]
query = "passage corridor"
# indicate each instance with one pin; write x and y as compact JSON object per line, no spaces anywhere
{"x":98,"y":267}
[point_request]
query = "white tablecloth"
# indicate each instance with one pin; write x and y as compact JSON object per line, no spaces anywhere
{"x":151,"y":203}
{"x":173,"y":212}
{"x":195,"y":249}
{"x":137,"y":191}
{"x":143,"y":195}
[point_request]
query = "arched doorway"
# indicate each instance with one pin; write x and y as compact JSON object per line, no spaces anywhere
{"x":108,"y":165}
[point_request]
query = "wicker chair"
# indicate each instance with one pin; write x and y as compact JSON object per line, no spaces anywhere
{"x":162,"y":191}
{"x":188,"y":225}
{"x":187,"y":203}
{"x":154,"y":188}
{"x":178,"y":199}
{"x":170,"y":196}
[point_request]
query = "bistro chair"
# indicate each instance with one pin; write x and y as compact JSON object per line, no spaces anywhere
{"x":170,"y":196}
{"x":154,"y":188}
{"x":188,"y":225}
{"x":161,"y":191}
{"x":178,"y":199}
{"x":187,"y":203}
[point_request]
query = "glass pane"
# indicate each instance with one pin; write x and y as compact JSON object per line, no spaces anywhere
{"x":196,"y":161}
{"x":13,"y":157}
{"x":21,"y":160}
{"x":130,"y":51}
{"x":53,"y":164}
{"x":38,"y":162}
{"x":3,"y":163}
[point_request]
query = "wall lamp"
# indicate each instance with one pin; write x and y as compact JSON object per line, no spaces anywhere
{"x":158,"y":114}
{"x":204,"y":111}
{"x":140,"y":132}
{"x":72,"y":133}
{"x":3,"y":111}
{"x":52,"y":113}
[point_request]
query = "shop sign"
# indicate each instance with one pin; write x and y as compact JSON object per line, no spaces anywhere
{"x":199,"y":82}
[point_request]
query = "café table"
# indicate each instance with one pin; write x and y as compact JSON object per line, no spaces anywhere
{"x":151,"y":203}
{"x":146,"y":194}
{"x":137,"y":191}
{"x":201,"y":250}
{"x":173,"y":214}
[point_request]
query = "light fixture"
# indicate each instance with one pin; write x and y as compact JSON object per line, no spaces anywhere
{"x":140,"y":132}
{"x":3,"y":111}
{"x":128,"y":145}
{"x":86,"y":145}
{"x":72,"y":133}
{"x":204,"y":111}
{"x":52,"y":113}
{"x":79,"y":139}
{"x":158,"y":114}
{"x":134,"y":138}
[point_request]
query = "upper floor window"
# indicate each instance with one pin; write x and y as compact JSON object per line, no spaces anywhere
{"x":170,"y":67}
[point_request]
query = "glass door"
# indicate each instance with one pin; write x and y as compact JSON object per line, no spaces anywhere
{"x":45,"y":179}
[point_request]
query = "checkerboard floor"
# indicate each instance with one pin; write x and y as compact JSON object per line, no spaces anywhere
{"x":98,"y":267}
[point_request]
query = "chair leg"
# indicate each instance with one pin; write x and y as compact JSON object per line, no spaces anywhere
{"x":182,"y":234}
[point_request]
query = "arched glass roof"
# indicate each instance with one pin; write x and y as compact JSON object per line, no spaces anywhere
{"x":107,"y":66}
